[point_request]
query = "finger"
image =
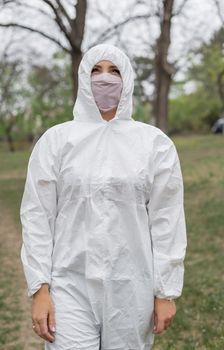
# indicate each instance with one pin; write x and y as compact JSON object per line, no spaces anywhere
{"x":160,"y":326}
{"x":155,"y":321}
{"x":51,"y":320}
{"x":37,"y":329}
{"x":44,"y":330}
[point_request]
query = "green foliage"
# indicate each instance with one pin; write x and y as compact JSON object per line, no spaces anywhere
{"x":209,"y":72}
{"x":193,"y":112}
{"x":50,"y":92}
{"x":46,"y":93}
{"x":12,"y":97}
{"x":43,"y":96}
{"x":198,"y":110}
{"x":143,"y":112}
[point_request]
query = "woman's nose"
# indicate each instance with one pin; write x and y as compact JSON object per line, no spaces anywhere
{"x":105,"y":70}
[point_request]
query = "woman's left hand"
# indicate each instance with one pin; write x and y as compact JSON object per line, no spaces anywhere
{"x":164,"y":312}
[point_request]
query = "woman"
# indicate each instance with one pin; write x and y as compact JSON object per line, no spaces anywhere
{"x":104,"y":234}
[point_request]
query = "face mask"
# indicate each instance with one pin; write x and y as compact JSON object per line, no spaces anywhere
{"x":106,"y":90}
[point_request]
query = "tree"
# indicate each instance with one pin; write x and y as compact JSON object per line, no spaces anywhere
{"x":157,"y":70}
{"x":199,"y":109}
{"x":220,"y":9}
{"x":208,"y":73}
{"x":49,"y":94}
{"x":144,"y":70}
{"x":160,"y":70}
{"x":35,"y":99}
{"x":164,"y":70}
{"x":71,"y":28}
{"x":10,"y":102}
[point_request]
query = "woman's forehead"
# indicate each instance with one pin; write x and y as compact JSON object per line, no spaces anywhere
{"x":105,"y":63}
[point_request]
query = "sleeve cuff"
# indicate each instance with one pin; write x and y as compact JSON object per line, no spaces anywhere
{"x":32,"y":290}
{"x":171,"y":295}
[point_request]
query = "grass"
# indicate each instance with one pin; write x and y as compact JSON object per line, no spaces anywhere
{"x":199,"y":322}
{"x":15,"y":317}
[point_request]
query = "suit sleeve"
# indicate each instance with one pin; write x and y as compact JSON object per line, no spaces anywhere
{"x":167,"y":224}
{"x":37,"y":213}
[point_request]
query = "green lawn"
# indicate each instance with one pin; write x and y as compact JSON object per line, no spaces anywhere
{"x":199,"y":322}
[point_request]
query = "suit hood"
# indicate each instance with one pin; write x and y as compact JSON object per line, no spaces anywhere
{"x":85,"y":108}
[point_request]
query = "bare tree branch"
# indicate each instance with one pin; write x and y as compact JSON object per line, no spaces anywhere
{"x":5,"y":2}
{"x":63,"y":11}
{"x":220,"y":12}
{"x":109,"y":32}
{"x":71,"y":27}
{"x":101,"y":12}
{"x":10,"y":50}
{"x":34,"y":30}
{"x":32,"y":7}
{"x":58,"y":19}
{"x":180,"y":9}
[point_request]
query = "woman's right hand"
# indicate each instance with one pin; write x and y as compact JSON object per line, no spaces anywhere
{"x":43,"y":315}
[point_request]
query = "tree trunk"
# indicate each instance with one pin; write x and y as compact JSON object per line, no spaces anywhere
{"x":76,"y":35}
{"x":163,"y":69}
{"x":75,"y":58}
{"x":9,"y":139}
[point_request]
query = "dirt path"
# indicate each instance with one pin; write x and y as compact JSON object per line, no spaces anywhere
{"x":15,"y":321}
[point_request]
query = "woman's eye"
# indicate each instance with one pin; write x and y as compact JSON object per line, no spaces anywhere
{"x":94,"y":70}
{"x":116,"y":71}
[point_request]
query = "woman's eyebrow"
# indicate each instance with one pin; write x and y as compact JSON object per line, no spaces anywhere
{"x":99,"y":66}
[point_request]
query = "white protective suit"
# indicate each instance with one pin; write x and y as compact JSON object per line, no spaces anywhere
{"x":103,"y":220}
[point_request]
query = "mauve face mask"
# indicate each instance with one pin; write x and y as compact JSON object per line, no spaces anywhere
{"x":106,"y":90}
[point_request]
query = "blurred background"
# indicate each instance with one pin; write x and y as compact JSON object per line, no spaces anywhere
{"x":177,"y":51}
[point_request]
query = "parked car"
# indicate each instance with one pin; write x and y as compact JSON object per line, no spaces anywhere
{"x":218,"y":126}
